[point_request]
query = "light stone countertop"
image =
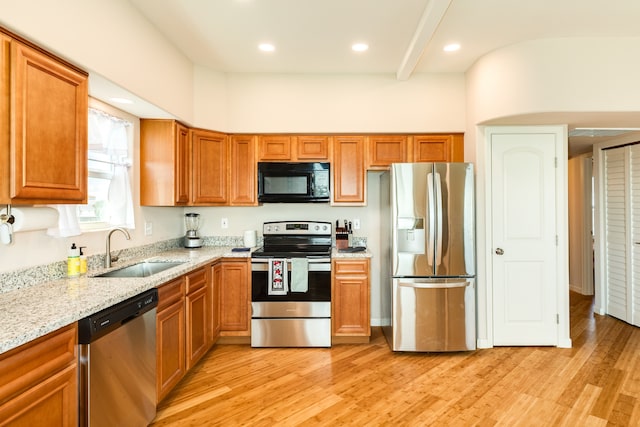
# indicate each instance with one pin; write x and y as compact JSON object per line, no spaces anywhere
{"x":34,"y":311}
{"x":31,"y":312}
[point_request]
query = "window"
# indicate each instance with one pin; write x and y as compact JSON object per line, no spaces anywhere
{"x":109,"y":201}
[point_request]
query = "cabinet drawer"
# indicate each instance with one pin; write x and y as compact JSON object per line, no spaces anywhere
{"x":170,"y":292}
{"x":351,"y":267}
{"x":196,"y":279}
{"x":31,"y":363}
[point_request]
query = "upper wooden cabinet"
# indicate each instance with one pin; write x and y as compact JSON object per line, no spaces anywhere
{"x":438,"y":148}
{"x":312,"y":148}
{"x":349,"y":175}
{"x":382,"y":150}
{"x":165,"y":168}
{"x":43,"y":126}
{"x":209,"y":168}
{"x":243,"y":171}
{"x":181,"y":166}
{"x":292,"y":148}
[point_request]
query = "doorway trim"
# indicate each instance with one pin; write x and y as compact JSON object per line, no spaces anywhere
{"x":484,"y":215}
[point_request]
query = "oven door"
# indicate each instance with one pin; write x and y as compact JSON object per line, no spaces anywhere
{"x":319,"y":282}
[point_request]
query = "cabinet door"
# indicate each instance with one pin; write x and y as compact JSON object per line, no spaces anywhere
{"x":234,"y":298}
{"x":170,"y":337}
{"x":216,"y":283}
{"x":274,"y":147}
{"x":182,"y":165}
{"x":209,"y":167}
{"x":432,"y":148}
{"x":312,"y":147}
{"x":243,"y":171}
{"x":198,"y":323}
{"x":49,"y":129}
{"x":5,"y":119}
{"x":165,"y":169}
{"x":51,"y":403}
{"x":351,"y":296}
{"x":382,"y":150}
{"x":349,"y":177}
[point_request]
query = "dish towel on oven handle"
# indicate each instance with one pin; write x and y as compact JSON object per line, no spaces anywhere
{"x":278,"y":283}
{"x":299,"y":274}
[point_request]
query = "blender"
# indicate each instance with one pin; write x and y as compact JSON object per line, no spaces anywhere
{"x":192,"y":224}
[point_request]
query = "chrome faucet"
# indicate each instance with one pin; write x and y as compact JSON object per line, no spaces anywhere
{"x":108,"y":258}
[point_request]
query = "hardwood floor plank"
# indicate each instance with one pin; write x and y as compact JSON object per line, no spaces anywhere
{"x":595,"y":383}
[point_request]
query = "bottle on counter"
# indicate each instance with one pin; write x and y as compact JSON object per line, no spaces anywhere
{"x":73,"y":261}
{"x":83,"y":261}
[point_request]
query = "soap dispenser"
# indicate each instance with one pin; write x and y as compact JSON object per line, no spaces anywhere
{"x":73,"y":261}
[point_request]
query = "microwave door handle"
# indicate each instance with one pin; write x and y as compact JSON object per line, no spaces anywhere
{"x":312,"y":180}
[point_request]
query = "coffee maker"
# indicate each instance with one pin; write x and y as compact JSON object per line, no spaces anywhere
{"x":192,"y":224}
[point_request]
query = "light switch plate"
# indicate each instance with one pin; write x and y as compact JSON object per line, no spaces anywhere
{"x":148,"y":228}
{"x":356,"y":224}
{"x":224,"y":223}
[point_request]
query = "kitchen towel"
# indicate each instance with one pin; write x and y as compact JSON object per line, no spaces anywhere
{"x":299,"y":275}
{"x":278,"y":280}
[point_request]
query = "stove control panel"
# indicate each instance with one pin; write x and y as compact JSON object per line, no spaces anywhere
{"x":297,"y":227}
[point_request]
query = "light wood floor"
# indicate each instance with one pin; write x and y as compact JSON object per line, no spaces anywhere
{"x":595,"y":383}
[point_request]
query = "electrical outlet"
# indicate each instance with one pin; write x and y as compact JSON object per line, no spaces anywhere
{"x":224,"y":223}
{"x":356,"y":224}
{"x":148,"y":228}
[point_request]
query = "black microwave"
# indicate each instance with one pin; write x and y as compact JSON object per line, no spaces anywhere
{"x":293,"y":182}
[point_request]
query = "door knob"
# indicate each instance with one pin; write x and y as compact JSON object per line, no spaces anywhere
{"x":499,"y":251}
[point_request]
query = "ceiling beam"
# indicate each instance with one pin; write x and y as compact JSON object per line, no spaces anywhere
{"x":431,"y":17}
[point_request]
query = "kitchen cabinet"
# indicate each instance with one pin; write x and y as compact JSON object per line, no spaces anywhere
{"x":438,"y":148}
{"x":382,"y":150}
{"x":184,"y":326}
{"x":165,"y":168}
{"x":170,"y":336}
{"x":216,"y":282}
{"x":235,"y":301}
{"x":243,"y":171}
{"x":312,"y":148}
{"x":199,"y":308}
{"x":351,"y":297}
{"x":43,"y":126}
{"x":39,"y":381}
{"x":292,"y":148}
{"x":209,"y":168}
{"x":349,"y":175}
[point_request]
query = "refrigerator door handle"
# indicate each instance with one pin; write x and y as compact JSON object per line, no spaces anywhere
{"x":438,"y":202}
{"x":434,"y":285}
{"x":431,"y":213}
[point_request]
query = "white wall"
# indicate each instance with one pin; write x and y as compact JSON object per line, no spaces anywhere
{"x":346,"y":103}
{"x":112,"y":39}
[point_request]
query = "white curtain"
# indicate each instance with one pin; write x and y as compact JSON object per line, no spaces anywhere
{"x":107,"y":135}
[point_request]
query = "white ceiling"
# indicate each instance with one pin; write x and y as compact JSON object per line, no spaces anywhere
{"x":404,"y":36}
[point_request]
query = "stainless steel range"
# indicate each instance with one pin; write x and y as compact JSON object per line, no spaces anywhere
{"x":291,"y":285}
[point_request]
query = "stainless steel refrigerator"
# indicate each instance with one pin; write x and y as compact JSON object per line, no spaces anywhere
{"x":429,"y":263}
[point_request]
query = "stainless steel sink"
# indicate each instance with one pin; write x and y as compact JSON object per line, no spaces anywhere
{"x":141,"y":269}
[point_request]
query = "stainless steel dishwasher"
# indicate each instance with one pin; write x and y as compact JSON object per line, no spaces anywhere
{"x":118,"y":364}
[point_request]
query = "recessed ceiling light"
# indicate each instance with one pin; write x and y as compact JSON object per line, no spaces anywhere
{"x":451,"y":47}
{"x":266,"y":47}
{"x":121,"y":100}
{"x":359,"y":47}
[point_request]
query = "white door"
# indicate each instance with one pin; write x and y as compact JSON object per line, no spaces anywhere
{"x":524,"y":239}
{"x":622,"y":232}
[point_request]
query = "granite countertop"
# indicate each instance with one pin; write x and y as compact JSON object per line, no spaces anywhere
{"x":34,"y":311}
{"x":31,"y":312}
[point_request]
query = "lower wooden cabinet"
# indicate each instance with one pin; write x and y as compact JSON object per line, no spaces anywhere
{"x":170,"y":336}
{"x":235,"y":297}
{"x":39,"y":381}
{"x":199,"y":307}
{"x":351,"y":298}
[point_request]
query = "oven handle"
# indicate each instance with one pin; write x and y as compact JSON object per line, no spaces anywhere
{"x":262,"y":264}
